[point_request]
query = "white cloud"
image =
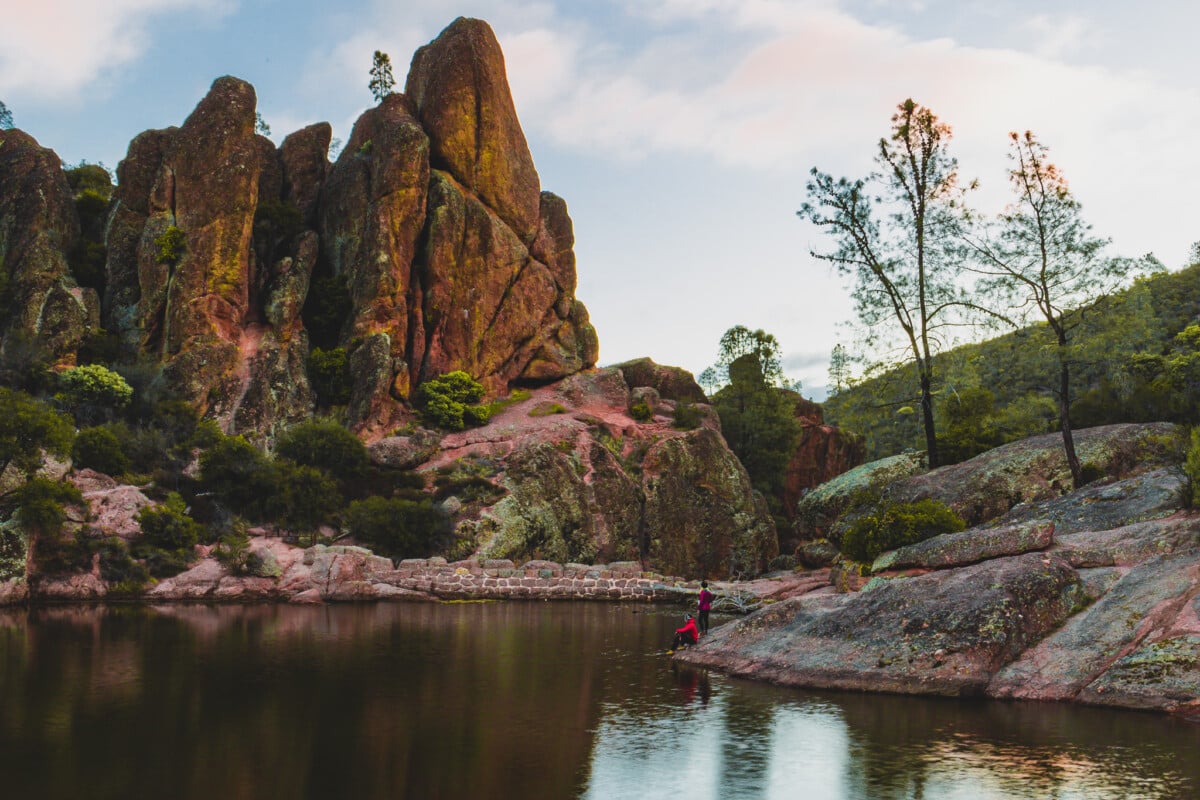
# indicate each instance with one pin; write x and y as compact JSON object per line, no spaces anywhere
{"x":56,"y":48}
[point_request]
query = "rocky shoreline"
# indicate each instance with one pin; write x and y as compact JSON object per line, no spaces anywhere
{"x":1091,"y":596}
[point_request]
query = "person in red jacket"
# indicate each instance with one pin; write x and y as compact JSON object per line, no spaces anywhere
{"x":688,"y":634}
{"x":704,"y":606}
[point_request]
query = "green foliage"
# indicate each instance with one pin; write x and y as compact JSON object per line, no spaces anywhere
{"x":686,"y":416}
{"x":381,"y":82}
{"x":93,"y":188}
{"x":171,"y":245}
{"x":27,"y":427}
{"x":305,"y":497}
{"x":759,"y":423}
{"x":326,"y":309}
{"x":740,"y":341}
{"x":169,"y":535}
{"x":260,"y":125}
{"x":641,"y":411}
{"x":168,"y":526}
{"x":100,"y":449}
{"x":233,"y":548}
{"x":329,"y":375}
{"x":893,"y":525}
{"x":906,"y":289}
{"x":6,"y":117}
{"x":448,"y":401}
{"x":240,"y":475}
{"x":40,"y":511}
{"x":1192,"y":467}
{"x":94,"y":385}
{"x":324,"y":445}
{"x":398,"y":528}
{"x":117,"y":565}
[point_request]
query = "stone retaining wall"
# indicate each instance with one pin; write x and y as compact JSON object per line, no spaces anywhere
{"x":501,"y":579}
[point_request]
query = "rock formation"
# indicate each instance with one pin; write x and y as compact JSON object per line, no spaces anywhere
{"x":432,"y":219}
{"x":44,"y":314}
{"x":823,"y":453}
{"x":1090,"y":596}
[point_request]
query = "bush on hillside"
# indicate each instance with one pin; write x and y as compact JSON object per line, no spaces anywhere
{"x":893,"y":525}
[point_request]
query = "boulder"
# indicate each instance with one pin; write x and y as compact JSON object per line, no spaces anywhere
{"x":1162,"y":676}
{"x":1105,"y":505}
{"x":945,"y":632}
{"x":968,"y":547}
{"x":1148,"y":597}
{"x":404,"y":452}
{"x":671,"y":383}
{"x":819,"y":509}
{"x":304,"y":156}
{"x":1130,"y":544}
{"x":702,"y":517}
{"x":989,"y":485}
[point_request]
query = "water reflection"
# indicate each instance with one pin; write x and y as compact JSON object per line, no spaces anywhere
{"x":506,"y":700}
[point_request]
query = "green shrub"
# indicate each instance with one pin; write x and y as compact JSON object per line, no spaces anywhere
{"x":171,"y":246}
{"x":305,"y":498}
{"x":1192,"y":467}
{"x":329,"y":374}
{"x":686,"y":417}
{"x":233,"y":549}
{"x":448,"y":401}
{"x":94,"y":385}
{"x":893,"y":525}
{"x":398,"y":528}
{"x":324,"y":445}
{"x":168,"y":527}
{"x":326,"y":309}
{"x":40,"y":511}
{"x":641,"y":412}
{"x":240,"y":475}
{"x":27,"y":428}
{"x":99,"y":449}
{"x":118,"y":566}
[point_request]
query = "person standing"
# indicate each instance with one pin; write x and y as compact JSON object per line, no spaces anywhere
{"x":704,"y":605}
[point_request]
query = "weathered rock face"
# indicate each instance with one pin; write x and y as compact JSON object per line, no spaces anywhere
{"x":671,"y":383}
{"x":41,"y":306}
{"x":433,"y":219}
{"x":587,"y":483}
{"x":940,"y":633}
{"x":460,"y":89}
{"x":822,"y":453}
{"x":819,"y":509}
{"x":1101,"y":606}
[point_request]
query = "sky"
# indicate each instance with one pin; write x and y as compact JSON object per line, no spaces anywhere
{"x":680,"y":132}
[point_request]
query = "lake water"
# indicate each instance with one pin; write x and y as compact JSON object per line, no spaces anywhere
{"x":515,"y":700}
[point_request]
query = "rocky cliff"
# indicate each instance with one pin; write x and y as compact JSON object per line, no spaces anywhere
{"x":429,"y":247}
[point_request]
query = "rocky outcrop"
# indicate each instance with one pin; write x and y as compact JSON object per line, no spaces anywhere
{"x":1091,"y":596}
{"x":586,"y":482}
{"x":822,"y":453}
{"x":942,"y":633}
{"x":820,"y":508}
{"x":44,"y":314}
{"x":433,"y":221}
{"x":671,"y":383}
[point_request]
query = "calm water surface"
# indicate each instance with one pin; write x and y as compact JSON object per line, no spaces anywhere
{"x":509,"y":700}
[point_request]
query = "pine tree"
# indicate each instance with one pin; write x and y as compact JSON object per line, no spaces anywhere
{"x":381,"y":76}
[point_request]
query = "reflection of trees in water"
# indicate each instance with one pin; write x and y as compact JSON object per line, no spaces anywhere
{"x":746,"y":750}
{"x":904,"y":747}
{"x":371,"y":701}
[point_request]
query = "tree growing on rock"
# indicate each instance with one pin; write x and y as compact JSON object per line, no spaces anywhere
{"x":1041,"y":261}
{"x":739,"y":341}
{"x":901,"y":265}
{"x":382,"y":82}
{"x":27,"y":428}
{"x":6,"y":117}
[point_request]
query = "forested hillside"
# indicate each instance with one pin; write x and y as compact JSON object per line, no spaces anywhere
{"x":1136,"y":358}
